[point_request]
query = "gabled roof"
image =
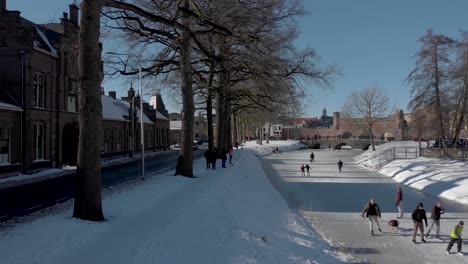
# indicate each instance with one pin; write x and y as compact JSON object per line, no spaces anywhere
{"x":118,"y":110}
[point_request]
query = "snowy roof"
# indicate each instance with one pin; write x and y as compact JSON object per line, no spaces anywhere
{"x":173,"y":125}
{"x":10,"y":107}
{"x":43,"y":43}
{"x":116,"y":109}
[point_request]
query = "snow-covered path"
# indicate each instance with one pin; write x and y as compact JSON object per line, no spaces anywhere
{"x":230,"y":215}
{"x":332,"y":202}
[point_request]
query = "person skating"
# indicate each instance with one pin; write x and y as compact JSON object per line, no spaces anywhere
{"x":303,"y":170}
{"x":312,"y":156}
{"x":456,"y":236}
{"x":399,"y":202}
{"x":437,"y":210}
{"x":418,"y":215}
{"x":372,"y":212}
{"x":308,"y":169}
{"x":340,"y":165}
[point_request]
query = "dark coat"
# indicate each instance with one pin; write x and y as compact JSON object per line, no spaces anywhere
{"x":419,"y":215}
{"x":436,"y":212}
{"x":370,"y":209}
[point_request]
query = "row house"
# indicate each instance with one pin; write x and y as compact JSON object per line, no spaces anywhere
{"x":39,"y":98}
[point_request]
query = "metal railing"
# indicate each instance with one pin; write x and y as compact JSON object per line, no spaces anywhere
{"x":380,"y":159}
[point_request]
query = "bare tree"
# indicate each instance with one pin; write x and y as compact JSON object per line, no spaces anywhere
{"x":88,"y":172}
{"x":430,"y":76}
{"x":367,"y":106}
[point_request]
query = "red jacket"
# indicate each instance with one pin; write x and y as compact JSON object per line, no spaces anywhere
{"x":399,"y":196}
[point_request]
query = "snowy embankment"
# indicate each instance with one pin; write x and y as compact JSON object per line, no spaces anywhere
{"x":439,"y":177}
{"x":267,"y":149}
{"x":230,"y":215}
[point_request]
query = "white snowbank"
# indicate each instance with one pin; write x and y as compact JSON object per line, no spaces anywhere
{"x":267,"y":149}
{"x":30,"y":178}
{"x":439,"y":177}
{"x":230,"y":215}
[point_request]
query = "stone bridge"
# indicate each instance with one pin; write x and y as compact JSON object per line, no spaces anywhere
{"x":338,"y":143}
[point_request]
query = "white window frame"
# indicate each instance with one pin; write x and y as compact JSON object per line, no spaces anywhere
{"x":39,"y":93}
{"x":8,"y":159}
{"x":39,"y":153}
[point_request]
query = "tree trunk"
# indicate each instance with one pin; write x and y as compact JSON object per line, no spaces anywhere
{"x":438,"y":107}
{"x":88,"y":172}
{"x":371,"y":135}
{"x":268,"y":133}
{"x":234,"y":130}
{"x":220,"y":113}
{"x":185,"y":162}
{"x":209,"y":117}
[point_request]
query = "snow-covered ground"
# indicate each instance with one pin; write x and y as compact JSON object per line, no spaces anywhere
{"x":267,"y":149}
{"x":231,"y":215}
{"x":439,"y":177}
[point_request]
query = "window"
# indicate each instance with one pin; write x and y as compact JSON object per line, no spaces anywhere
{"x":279,"y":127}
{"x":39,"y":90}
{"x":4,"y":145}
{"x":196,"y":123}
{"x":38,"y":141}
{"x":72,"y":106}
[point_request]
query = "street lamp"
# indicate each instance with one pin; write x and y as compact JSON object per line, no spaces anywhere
{"x":142,"y":130}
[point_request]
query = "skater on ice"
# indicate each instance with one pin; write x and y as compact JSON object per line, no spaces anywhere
{"x":372,"y":212}
{"x":418,"y":215}
{"x":437,"y":211}
{"x":456,"y":236}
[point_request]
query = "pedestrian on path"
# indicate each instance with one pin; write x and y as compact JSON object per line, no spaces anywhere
{"x":213,"y":158}
{"x":303,"y":170}
{"x":207,"y":158}
{"x":231,"y":153}
{"x":340,"y":165}
{"x":437,"y":210}
{"x":312,"y":156}
{"x":456,"y":235}
{"x":308,"y":169}
{"x":418,"y":215}
{"x":223,"y":158}
{"x":399,"y":202}
{"x":372,"y":212}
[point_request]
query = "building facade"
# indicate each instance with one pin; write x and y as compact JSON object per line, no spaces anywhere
{"x":39,"y":98}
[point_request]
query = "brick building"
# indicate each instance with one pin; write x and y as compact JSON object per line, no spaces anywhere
{"x":39,"y":97}
{"x":394,"y":127}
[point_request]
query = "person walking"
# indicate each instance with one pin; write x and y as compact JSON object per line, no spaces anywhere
{"x":223,"y":158}
{"x":372,"y":212}
{"x":340,"y":165}
{"x":399,"y":202}
{"x":437,"y":210}
{"x":231,"y":153}
{"x":312,"y":156}
{"x":303,"y":170}
{"x":308,"y":169}
{"x":207,"y":158}
{"x":456,"y":236}
{"x":418,"y":215}
{"x":213,"y":158}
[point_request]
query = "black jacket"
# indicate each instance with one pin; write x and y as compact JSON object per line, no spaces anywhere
{"x":419,"y":215}
{"x":436,"y":212}
{"x":370,"y":209}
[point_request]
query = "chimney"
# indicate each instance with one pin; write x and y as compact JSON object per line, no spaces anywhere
{"x":113,"y":94}
{"x":65,"y":15}
{"x":73,"y":14}
{"x":2,"y":5}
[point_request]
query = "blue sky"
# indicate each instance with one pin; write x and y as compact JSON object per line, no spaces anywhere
{"x":373,"y":41}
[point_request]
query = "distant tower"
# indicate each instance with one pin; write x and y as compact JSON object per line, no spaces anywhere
{"x":324,"y":113}
{"x":336,"y":120}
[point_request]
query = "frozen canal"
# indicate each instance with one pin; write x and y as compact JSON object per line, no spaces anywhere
{"x":332,"y":203}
